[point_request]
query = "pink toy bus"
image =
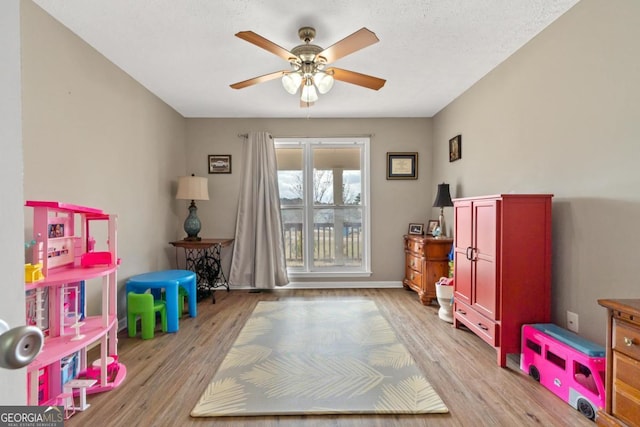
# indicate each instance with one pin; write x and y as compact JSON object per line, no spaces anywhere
{"x":572,"y":367}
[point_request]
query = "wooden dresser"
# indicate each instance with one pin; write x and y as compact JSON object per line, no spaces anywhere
{"x":426,"y":261}
{"x":623,"y":363}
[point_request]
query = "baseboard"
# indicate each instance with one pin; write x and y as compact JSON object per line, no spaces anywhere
{"x":332,"y":285}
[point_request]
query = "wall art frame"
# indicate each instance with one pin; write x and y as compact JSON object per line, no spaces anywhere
{"x":219,"y":163}
{"x":402,"y":165}
{"x":455,"y":148}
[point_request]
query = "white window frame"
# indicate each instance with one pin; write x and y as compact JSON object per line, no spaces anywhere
{"x":307,"y":271}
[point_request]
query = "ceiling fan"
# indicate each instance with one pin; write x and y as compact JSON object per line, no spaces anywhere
{"x":309,"y":64}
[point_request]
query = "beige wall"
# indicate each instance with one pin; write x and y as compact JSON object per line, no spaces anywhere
{"x":559,"y":116}
{"x":93,"y":136}
{"x":394,"y":204}
{"x":562,"y":116}
{"x":13,"y":387}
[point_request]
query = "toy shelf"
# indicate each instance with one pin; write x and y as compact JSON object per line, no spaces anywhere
{"x":64,"y":275}
{"x":92,"y":330}
{"x":63,"y":260}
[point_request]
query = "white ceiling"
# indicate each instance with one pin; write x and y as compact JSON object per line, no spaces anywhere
{"x":185,"y":51}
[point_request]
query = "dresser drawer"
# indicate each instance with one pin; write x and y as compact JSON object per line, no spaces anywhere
{"x":626,"y":339}
{"x":415,"y":246}
{"x":414,"y":263}
{"x":414,"y":277}
{"x":480,"y":325}
{"x":626,"y":388}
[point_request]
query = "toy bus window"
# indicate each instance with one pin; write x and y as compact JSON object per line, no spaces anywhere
{"x":584,"y":377}
{"x":534,"y":346}
{"x":556,"y":360}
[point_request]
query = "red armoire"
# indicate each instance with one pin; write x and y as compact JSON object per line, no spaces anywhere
{"x":502,"y":266}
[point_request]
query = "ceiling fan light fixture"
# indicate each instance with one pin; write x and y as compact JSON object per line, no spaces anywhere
{"x":323,"y":81}
{"x":291,"y":82}
{"x":308,"y":62}
{"x":309,"y":93}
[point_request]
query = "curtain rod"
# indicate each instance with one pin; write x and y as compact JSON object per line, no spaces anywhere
{"x":246,"y":135}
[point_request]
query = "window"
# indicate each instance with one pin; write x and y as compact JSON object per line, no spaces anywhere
{"x":324,"y":203}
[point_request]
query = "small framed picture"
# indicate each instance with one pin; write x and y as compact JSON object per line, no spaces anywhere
{"x":402,"y":165}
{"x":56,"y":230}
{"x":455,"y":148}
{"x":432,"y":225}
{"x":415,"y":228}
{"x":219,"y":163}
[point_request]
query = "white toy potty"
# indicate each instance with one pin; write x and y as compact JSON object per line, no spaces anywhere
{"x":444,"y":294}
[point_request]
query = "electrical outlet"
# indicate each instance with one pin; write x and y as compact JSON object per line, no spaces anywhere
{"x":572,"y":321}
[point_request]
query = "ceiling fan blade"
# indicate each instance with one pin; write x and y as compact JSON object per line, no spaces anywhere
{"x":265,"y":44}
{"x":356,"y":78}
{"x":356,"y":41}
{"x":260,"y":79}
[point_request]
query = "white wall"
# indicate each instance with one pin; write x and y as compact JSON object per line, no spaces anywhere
{"x":13,"y":390}
{"x":561,"y":116}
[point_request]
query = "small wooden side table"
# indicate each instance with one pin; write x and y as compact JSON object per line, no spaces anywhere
{"x":203,"y":258}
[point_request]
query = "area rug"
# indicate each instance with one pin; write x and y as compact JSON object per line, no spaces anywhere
{"x":317,"y":357}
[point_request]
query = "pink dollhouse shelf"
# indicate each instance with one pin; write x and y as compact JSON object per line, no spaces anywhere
{"x":119,"y":377}
{"x":92,"y":330}
{"x":62,"y":275}
{"x":63,"y":206}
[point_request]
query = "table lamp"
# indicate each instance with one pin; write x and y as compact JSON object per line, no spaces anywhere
{"x":443,"y":198}
{"x":192,"y":188}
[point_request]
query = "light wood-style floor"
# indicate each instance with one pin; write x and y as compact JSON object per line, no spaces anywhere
{"x":167,"y":375}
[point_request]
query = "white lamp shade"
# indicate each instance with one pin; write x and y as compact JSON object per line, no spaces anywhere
{"x":291,"y":82}
{"x":323,"y":81}
{"x":193,"y":188}
{"x":309,"y":93}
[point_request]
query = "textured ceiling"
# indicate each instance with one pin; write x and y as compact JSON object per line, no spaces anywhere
{"x":185,"y":51}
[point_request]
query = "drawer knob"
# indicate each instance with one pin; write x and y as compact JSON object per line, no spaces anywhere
{"x":628,"y":341}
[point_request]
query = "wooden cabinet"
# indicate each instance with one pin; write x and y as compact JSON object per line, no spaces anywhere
{"x":426,"y":261}
{"x":502,"y":266}
{"x":623,"y":363}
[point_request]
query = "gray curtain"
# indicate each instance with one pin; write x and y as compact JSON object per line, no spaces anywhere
{"x":258,"y":252}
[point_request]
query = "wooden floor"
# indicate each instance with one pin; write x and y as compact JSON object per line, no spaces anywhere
{"x":167,"y":375}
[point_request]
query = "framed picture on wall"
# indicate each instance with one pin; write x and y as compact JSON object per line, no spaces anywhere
{"x":220,"y":163}
{"x":402,"y":165}
{"x":455,"y":148}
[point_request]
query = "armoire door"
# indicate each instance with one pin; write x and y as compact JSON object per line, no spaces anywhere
{"x":485,"y":243}
{"x":463,"y":251}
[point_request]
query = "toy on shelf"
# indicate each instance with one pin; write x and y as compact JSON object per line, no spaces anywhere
{"x":68,"y":259}
{"x":33,"y":273}
{"x":95,"y":258}
{"x":572,"y":367}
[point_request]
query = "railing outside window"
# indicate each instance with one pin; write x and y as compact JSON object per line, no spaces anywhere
{"x":323,"y":247}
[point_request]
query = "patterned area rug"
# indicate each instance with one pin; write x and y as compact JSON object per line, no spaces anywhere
{"x":317,"y":357}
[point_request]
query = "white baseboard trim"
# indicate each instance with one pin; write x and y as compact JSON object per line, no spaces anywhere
{"x":332,"y":285}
